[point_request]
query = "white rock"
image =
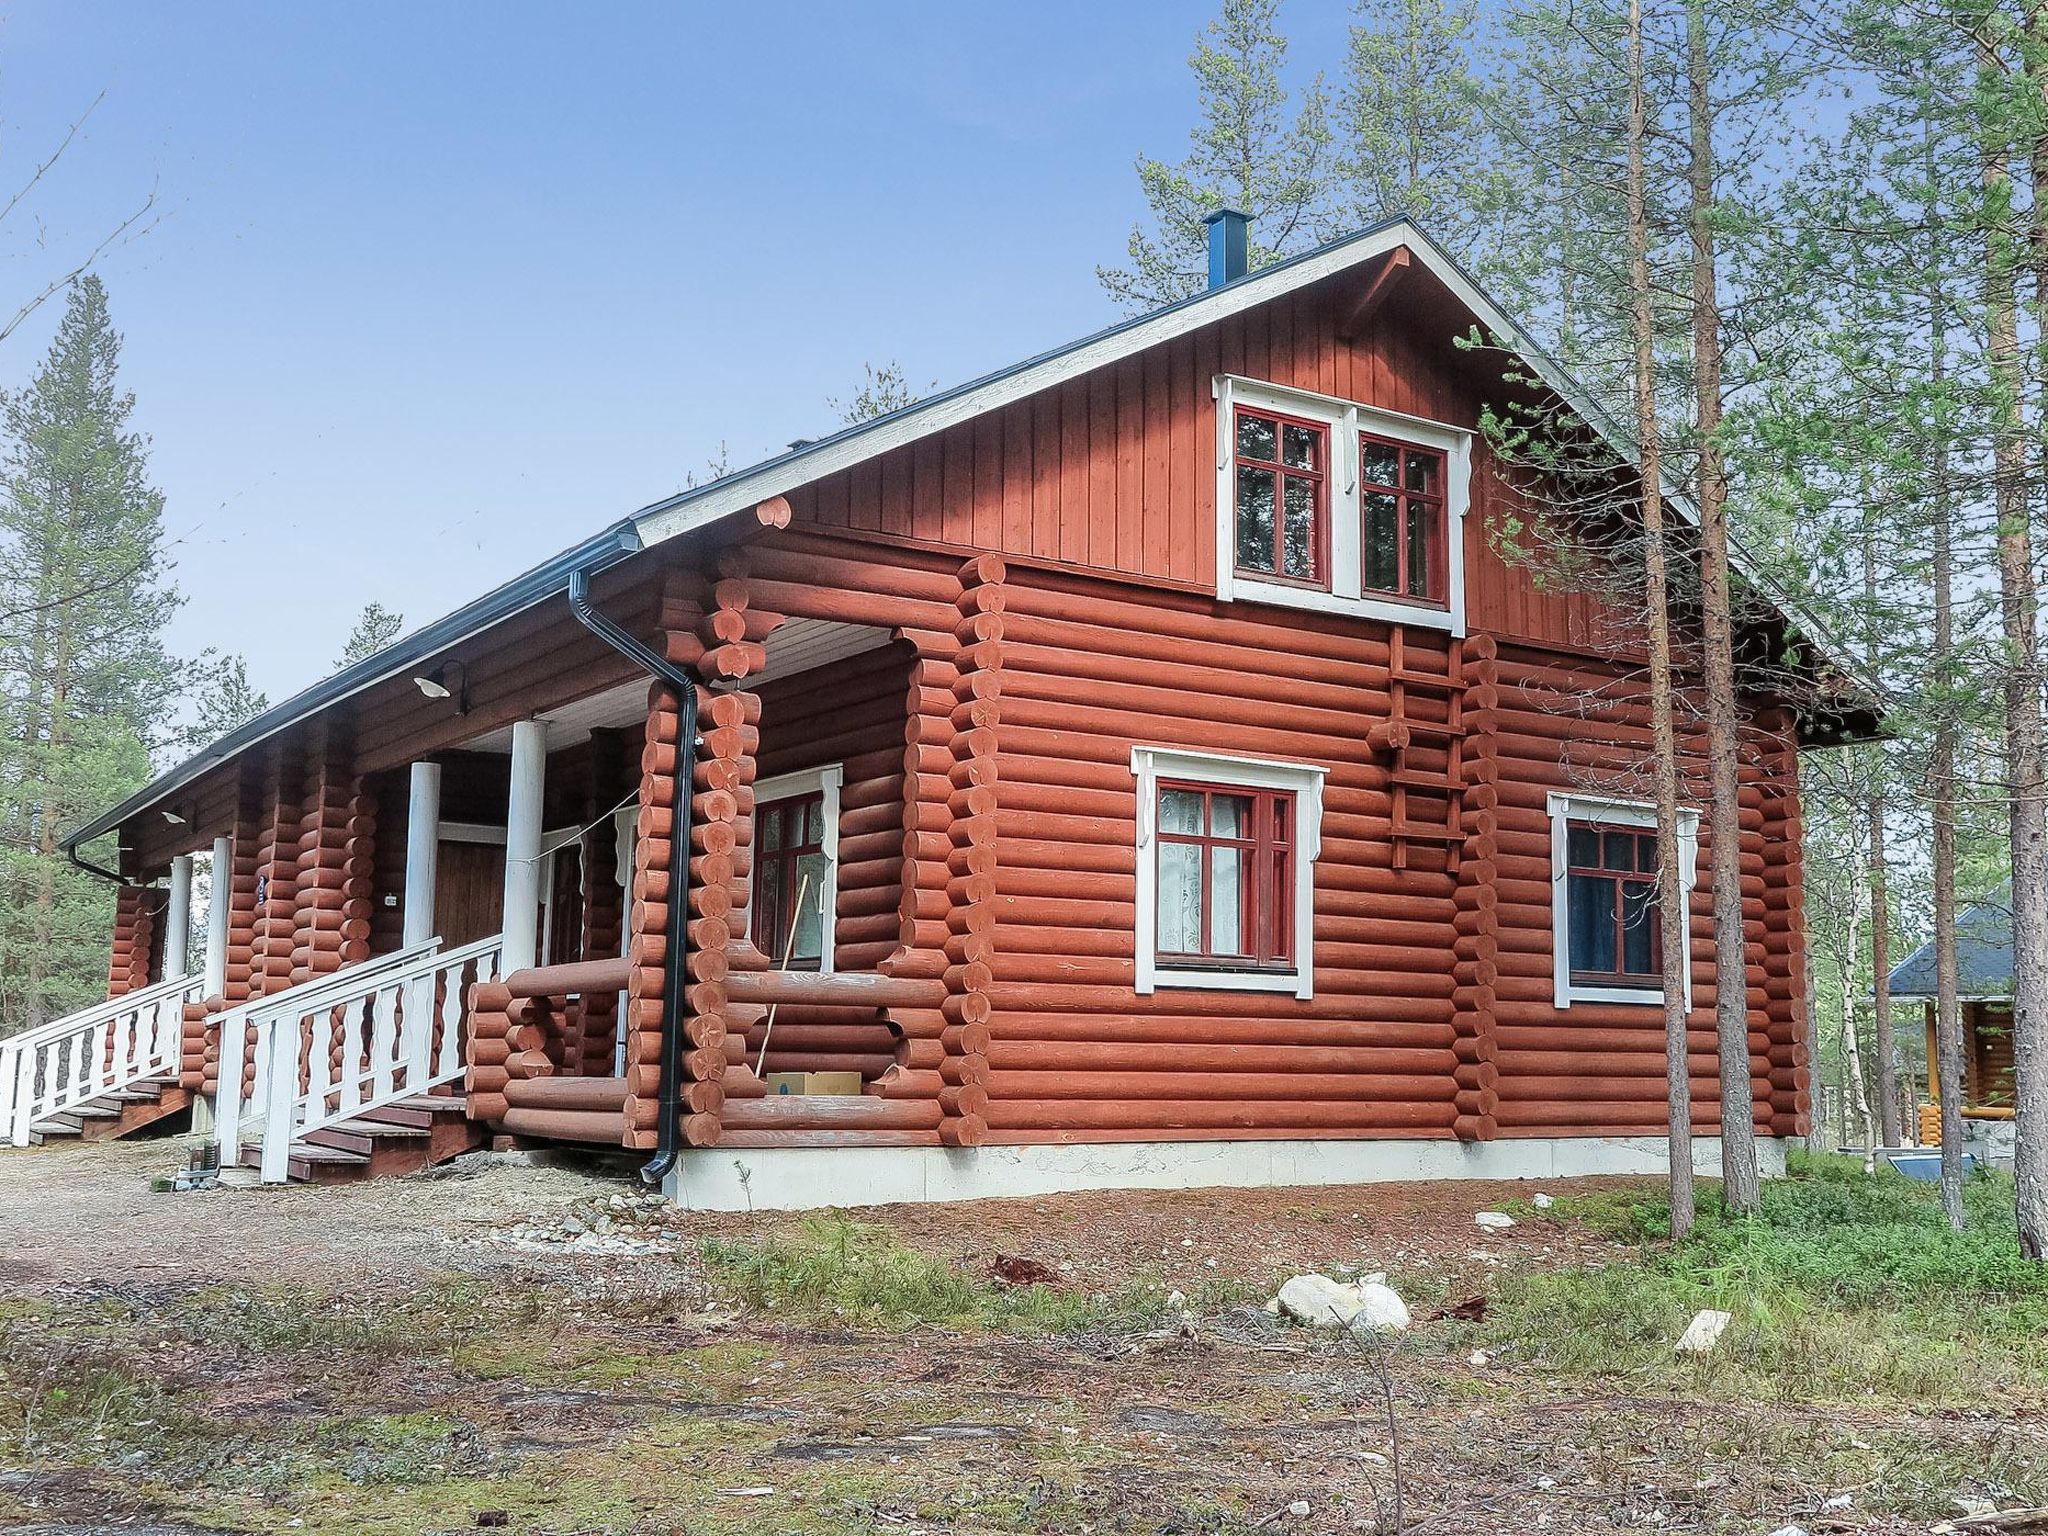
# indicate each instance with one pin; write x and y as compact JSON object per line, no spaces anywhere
{"x":1319,"y":1300}
{"x":1703,"y":1332}
{"x":1175,"y":1300}
{"x":1380,"y":1310}
{"x":1542,"y":1202}
{"x":1840,"y":1501}
{"x":1789,"y":1530}
{"x":1298,"y":1509}
{"x":1479,"y":1357}
{"x":1494,"y":1221}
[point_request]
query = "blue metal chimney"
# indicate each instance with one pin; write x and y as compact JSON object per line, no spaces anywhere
{"x":1229,"y":245}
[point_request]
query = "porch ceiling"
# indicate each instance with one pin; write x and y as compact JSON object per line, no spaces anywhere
{"x":797,"y":646}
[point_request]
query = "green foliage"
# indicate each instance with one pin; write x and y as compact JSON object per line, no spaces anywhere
{"x":83,"y":672}
{"x":834,"y":1267}
{"x":1841,"y":1284}
{"x":376,"y":627}
{"x":221,"y":696}
{"x":1248,"y":152}
{"x":883,"y":390}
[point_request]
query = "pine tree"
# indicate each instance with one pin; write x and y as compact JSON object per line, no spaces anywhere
{"x":1411,"y":133}
{"x":222,"y":698}
{"x":83,"y":671}
{"x":376,"y":627}
{"x":882,"y":390}
{"x":1248,"y":153}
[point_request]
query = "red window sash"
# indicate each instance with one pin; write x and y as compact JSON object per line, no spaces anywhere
{"x":1282,"y":472}
{"x":1409,"y":504}
{"x":770,"y":922}
{"x":1618,"y":881}
{"x":1265,"y":885}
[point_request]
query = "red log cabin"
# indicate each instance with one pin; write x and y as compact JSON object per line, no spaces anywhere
{"x":1141,"y":766}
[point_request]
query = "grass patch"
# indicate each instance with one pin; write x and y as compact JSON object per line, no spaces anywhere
{"x":829,"y":1267}
{"x":1841,"y":1285}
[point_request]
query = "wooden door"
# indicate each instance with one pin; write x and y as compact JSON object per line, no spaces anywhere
{"x":469,"y":892}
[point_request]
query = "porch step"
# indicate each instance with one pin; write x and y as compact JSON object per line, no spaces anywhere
{"x":397,"y":1138}
{"x":114,"y":1114}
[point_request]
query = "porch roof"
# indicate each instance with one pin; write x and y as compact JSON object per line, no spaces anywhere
{"x":537,"y":585}
{"x":1983,"y":953}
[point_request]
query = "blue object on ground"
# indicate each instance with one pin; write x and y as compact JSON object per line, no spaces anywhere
{"x":1925,"y":1164}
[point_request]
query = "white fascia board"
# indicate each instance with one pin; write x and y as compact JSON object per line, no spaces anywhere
{"x":749,"y":488}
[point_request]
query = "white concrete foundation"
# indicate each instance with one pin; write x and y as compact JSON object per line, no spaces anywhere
{"x":807,"y":1178}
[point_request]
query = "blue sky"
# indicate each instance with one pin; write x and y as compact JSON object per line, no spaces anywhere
{"x":438,"y":289}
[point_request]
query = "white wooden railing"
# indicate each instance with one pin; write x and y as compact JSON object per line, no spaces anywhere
{"x":327,"y":1051}
{"x":103,"y":1049}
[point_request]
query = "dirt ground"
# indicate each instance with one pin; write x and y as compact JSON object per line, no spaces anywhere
{"x":398,"y":1357}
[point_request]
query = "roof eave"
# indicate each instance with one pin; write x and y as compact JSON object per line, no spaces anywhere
{"x":595,"y":553}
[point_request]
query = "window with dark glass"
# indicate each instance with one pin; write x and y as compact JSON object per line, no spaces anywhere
{"x":1401,"y":505}
{"x":1282,"y":496}
{"x":792,"y":879}
{"x":1611,"y":885}
{"x":1226,"y":881}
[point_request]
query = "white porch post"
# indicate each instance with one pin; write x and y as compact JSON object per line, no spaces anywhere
{"x":220,"y":883}
{"x":522,"y":845}
{"x":178,"y":920}
{"x":219,"y":904}
{"x":422,"y":852}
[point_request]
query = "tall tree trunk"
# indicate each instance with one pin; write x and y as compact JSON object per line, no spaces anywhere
{"x":2023,"y":737}
{"x":1673,"y":903}
{"x":1880,"y":904}
{"x":1946,"y":1065}
{"x":1817,"y":1121}
{"x":1855,"y":1090}
{"x":1739,"y":1184}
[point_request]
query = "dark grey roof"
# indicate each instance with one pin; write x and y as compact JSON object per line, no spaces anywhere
{"x":1983,"y":952}
{"x":536,"y":585}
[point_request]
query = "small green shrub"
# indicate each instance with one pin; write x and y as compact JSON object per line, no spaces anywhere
{"x":833,"y":1267}
{"x":1841,"y":1282}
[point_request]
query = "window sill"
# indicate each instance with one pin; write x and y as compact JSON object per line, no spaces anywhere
{"x":1295,"y":982}
{"x":1578,"y":993}
{"x":1421,"y":615}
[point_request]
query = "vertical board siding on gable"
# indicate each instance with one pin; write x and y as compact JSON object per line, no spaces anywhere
{"x":1116,"y":470}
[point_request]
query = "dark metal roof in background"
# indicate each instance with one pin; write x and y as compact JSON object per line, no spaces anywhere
{"x":543,"y":581}
{"x":1983,"y":953}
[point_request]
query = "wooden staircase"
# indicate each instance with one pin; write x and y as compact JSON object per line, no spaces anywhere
{"x":396,"y":1138}
{"x":142,"y":1102}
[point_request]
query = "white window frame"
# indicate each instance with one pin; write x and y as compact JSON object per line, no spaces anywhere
{"x":1565,"y":808}
{"x":826,"y":780}
{"x":1302,"y":780}
{"x":1345,"y":419}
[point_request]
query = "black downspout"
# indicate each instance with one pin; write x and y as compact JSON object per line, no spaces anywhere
{"x":91,"y":868}
{"x":675,"y":974}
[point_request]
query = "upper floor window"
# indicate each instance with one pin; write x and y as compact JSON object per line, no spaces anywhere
{"x":1226,"y":849}
{"x":1331,"y":505}
{"x":1282,"y":497}
{"x":1606,"y":937}
{"x":795,"y":888}
{"x":1401,"y":497}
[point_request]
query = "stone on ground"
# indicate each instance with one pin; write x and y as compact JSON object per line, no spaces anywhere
{"x":1319,"y":1301}
{"x":1380,"y":1310}
{"x":1703,"y":1332}
{"x":1494,"y":1221}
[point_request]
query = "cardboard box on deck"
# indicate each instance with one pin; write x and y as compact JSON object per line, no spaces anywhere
{"x":829,"y":1084}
